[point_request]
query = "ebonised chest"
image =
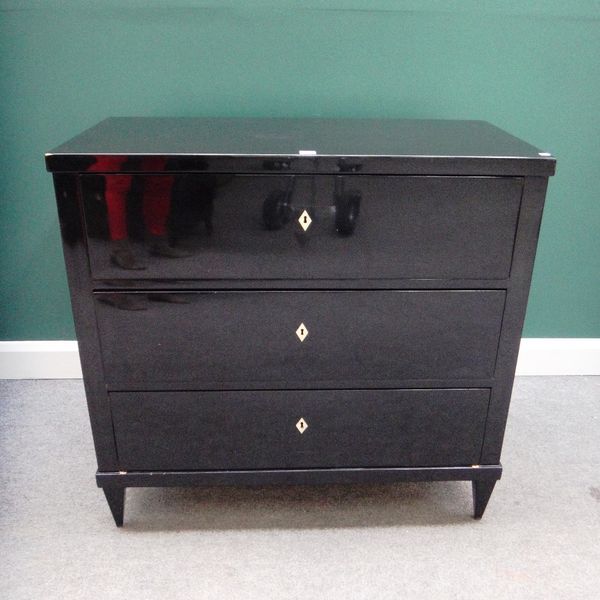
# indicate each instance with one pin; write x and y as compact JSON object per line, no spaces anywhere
{"x":298,"y":300}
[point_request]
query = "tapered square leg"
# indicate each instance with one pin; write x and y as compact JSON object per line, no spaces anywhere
{"x":482,"y":490}
{"x":115,"y":496}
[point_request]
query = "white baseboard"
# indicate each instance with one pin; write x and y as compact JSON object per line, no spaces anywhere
{"x":538,"y":356}
{"x":559,"y":356}
{"x":39,"y":360}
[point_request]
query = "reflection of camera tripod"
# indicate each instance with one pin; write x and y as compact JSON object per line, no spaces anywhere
{"x":278,"y":208}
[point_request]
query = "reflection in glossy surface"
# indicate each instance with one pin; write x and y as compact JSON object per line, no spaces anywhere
{"x":156,"y":207}
{"x":165,"y":216}
{"x":202,"y":226}
{"x":139,"y":301}
{"x":279,"y":207}
{"x":193,"y":203}
{"x":347,"y":207}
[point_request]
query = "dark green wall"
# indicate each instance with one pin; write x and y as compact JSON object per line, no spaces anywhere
{"x":531,"y":67}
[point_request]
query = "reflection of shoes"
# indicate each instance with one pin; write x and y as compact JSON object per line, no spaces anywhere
{"x":159,"y":246}
{"x":124,"y":301}
{"x":170,"y":298}
{"x":122,"y":256}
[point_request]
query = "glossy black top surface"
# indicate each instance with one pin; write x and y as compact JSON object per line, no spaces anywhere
{"x":312,"y":145}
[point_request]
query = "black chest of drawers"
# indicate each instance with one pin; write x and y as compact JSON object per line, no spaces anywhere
{"x":298,"y":300}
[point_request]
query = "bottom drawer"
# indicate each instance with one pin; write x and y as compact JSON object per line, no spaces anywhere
{"x":298,"y":429}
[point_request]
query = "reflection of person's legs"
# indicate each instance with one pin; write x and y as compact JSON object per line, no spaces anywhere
{"x":117,"y":188}
{"x":157,"y":205}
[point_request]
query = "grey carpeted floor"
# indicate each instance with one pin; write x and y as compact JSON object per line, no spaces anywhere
{"x":539,"y":539}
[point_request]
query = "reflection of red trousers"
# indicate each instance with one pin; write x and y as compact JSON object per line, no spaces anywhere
{"x":156,"y":203}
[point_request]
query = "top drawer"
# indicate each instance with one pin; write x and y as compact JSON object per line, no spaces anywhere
{"x":267,"y":227}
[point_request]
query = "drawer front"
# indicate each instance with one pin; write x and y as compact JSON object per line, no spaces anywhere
{"x":214,"y":340}
{"x":298,"y":429}
{"x":243,"y":227}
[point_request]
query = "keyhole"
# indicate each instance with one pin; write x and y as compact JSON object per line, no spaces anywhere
{"x":302,"y":332}
{"x":304,"y":220}
{"x":301,"y":426}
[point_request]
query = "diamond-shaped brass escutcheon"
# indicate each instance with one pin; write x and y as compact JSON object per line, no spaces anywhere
{"x":302,"y":332}
{"x":301,"y":425}
{"x":305,"y":220}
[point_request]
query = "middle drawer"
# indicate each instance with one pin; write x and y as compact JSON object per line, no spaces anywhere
{"x":296,"y":339}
